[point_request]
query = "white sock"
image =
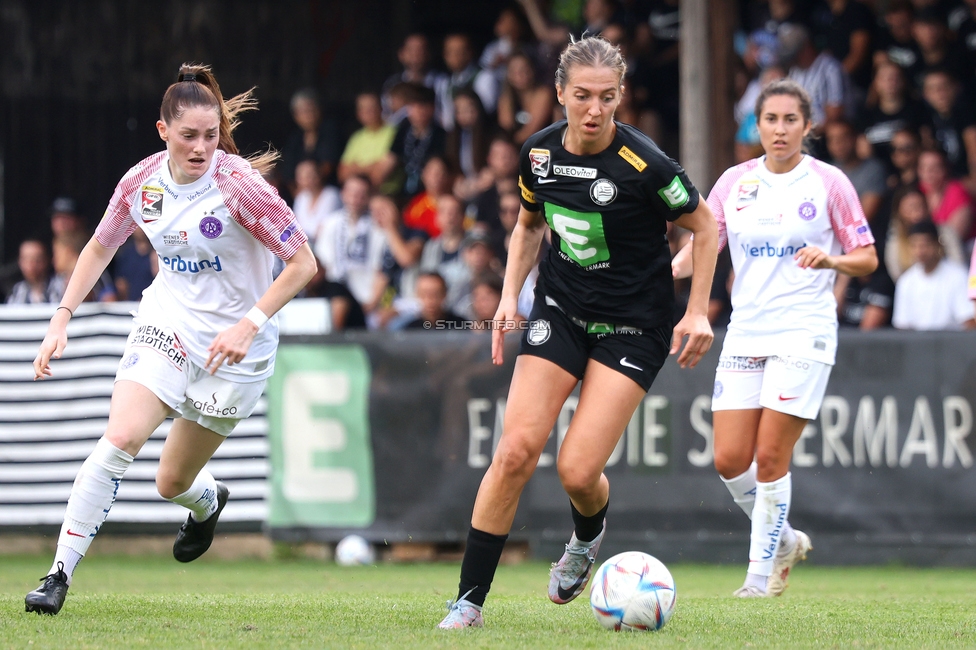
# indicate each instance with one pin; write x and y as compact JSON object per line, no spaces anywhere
{"x":743,"y":490}
{"x":769,"y":516}
{"x":92,"y":496}
{"x":201,"y":498}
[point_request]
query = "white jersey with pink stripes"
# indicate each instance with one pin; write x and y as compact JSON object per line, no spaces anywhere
{"x":215,"y":239}
{"x":779,"y":308}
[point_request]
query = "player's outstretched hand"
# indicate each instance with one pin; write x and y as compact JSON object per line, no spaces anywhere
{"x":699,"y":333}
{"x":811,"y":257}
{"x":231,"y":345}
{"x":506,"y":315}
{"x":53,"y":345}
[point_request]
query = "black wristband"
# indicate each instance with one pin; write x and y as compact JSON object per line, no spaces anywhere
{"x":63,"y":307}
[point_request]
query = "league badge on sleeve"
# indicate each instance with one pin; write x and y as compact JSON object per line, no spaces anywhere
{"x":539,"y":160}
{"x":747,"y":194}
{"x":151,"y":203}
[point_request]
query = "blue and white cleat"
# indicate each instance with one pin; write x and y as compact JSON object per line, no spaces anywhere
{"x":460,"y":614}
{"x":569,"y":576}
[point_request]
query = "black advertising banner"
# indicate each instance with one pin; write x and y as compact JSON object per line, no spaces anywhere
{"x":389,"y":436}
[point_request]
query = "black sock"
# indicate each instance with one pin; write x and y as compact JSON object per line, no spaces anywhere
{"x":587,"y":528}
{"x":481,"y":557}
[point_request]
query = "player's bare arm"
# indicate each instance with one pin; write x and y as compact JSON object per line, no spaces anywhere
{"x":704,"y":252}
{"x":523,"y":250}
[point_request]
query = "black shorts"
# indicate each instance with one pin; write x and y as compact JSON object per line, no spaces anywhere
{"x":570,"y":343}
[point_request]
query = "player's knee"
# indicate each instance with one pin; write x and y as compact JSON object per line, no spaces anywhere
{"x":730,"y":465}
{"x":770,"y":463}
{"x":578,"y":481}
{"x":170,"y":487}
{"x":515,"y":461}
{"x":122,"y":441}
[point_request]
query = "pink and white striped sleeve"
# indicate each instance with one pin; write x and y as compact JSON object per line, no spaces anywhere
{"x":846,"y":215}
{"x":255,"y":204}
{"x":720,"y":194}
{"x":117,"y":224}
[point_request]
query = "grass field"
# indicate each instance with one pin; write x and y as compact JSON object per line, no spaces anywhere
{"x":157,"y":603}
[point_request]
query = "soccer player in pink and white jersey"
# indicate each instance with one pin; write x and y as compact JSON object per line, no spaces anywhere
{"x":791,"y":223}
{"x":204,"y":339}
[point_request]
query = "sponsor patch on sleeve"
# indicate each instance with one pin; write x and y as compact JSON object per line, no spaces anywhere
{"x":862,"y":229}
{"x":675,"y":194}
{"x":151,"y":205}
{"x":632,"y":158}
{"x":539,"y":161}
{"x":527,"y":194}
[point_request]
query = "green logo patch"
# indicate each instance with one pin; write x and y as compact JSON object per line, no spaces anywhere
{"x":581,"y":235}
{"x":675,"y":194}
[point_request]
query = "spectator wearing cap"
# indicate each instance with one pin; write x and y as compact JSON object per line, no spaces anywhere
{"x":479,"y":259}
{"x":820,"y":74}
{"x":932,"y":294}
{"x":38,"y":285}
{"x":431,"y":296}
{"x":417,"y":139}
{"x":65,"y":217}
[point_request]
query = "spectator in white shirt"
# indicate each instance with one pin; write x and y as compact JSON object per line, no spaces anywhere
{"x":932,"y":294}
{"x":314,"y":201}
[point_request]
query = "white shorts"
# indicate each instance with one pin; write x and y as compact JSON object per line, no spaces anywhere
{"x":155,"y":358}
{"x":791,"y":385}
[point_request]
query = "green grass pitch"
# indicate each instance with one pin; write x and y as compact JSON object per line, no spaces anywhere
{"x":121,"y":602}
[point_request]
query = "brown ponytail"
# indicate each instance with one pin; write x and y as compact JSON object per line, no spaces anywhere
{"x":197,"y":86}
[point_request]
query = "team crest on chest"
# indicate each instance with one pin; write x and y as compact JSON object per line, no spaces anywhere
{"x":807,"y":210}
{"x":151,"y":203}
{"x":603,"y":191}
{"x":539,"y":160}
{"x":210,"y":226}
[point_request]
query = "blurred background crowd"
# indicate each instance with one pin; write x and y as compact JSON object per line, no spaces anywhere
{"x":409,"y":209}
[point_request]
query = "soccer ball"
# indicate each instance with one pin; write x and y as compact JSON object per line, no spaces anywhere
{"x":353,"y":550}
{"x":633,"y":591}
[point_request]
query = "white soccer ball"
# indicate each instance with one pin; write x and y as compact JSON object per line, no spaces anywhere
{"x":353,"y":550}
{"x":633,"y":591}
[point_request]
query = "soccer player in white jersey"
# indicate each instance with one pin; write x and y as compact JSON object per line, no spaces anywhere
{"x":791,"y":223}
{"x":204,"y":339}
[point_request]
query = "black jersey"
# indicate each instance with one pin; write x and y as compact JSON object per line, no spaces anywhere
{"x":608,"y":212}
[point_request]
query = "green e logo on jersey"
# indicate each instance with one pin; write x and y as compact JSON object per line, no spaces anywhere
{"x":675,"y":194}
{"x":581,"y":235}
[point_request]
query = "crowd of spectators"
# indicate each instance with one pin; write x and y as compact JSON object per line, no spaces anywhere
{"x":410,"y":215}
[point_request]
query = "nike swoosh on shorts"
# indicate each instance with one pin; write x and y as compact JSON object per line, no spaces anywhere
{"x":624,"y":362}
{"x":786,"y":399}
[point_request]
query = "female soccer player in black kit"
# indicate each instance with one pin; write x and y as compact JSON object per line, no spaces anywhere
{"x":602,"y":313}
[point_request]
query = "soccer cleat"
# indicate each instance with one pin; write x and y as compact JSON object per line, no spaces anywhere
{"x":49,"y":597}
{"x":750,"y":592}
{"x":460,"y":614}
{"x":568,"y":576}
{"x":195,"y":537}
{"x":786,"y":561}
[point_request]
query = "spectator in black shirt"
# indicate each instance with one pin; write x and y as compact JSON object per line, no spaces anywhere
{"x":844,"y":28}
{"x":951,"y":123}
{"x":966,"y":39}
{"x":417,"y":139}
{"x":889,"y":109}
{"x":894,"y":41}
